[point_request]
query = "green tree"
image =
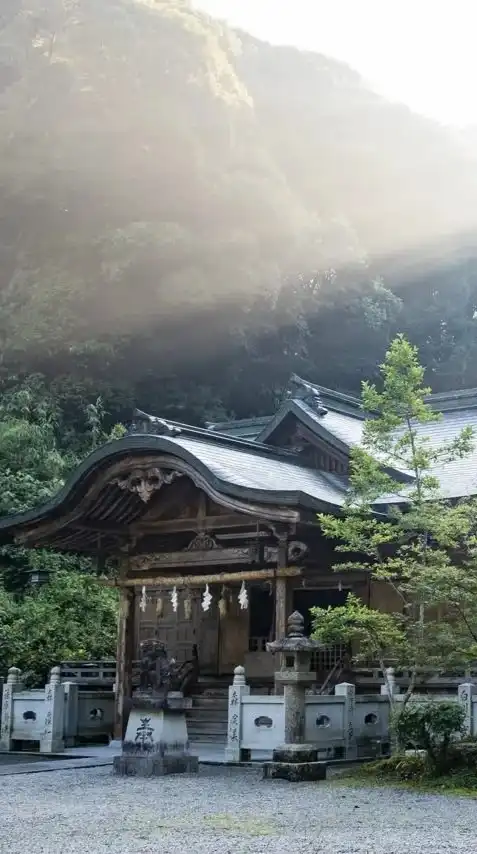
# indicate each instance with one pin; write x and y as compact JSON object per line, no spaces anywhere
{"x":397,"y":525}
{"x":71,"y":617}
{"x":33,"y":467}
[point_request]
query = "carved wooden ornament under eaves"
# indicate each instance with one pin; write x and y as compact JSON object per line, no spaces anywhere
{"x":202,"y":542}
{"x":145,"y":482}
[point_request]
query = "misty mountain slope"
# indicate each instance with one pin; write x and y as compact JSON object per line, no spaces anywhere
{"x":156,"y":167}
{"x":401,"y":179}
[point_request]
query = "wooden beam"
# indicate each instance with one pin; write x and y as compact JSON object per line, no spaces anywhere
{"x":200,"y":580}
{"x":169,"y":526}
{"x":209,"y":523}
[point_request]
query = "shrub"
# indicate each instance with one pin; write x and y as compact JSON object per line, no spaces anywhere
{"x":398,"y":767}
{"x":463,"y":756}
{"x":416,"y":770}
{"x":431,"y":726}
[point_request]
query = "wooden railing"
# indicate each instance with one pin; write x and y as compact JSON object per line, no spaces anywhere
{"x":102,"y":674}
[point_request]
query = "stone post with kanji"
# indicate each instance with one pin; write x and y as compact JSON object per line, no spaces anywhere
{"x":13,"y":685}
{"x":237,"y":690}
{"x":52,"y":740}
{"x":466,"y":694}
{"x":348,"y":691}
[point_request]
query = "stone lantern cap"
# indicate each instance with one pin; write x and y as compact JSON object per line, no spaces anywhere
{"x":295,"y":641}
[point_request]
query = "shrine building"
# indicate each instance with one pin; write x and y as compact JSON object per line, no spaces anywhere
{"x":215,"y":529}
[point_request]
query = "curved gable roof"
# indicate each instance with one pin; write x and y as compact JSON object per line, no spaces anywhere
{"x":234,"y":470}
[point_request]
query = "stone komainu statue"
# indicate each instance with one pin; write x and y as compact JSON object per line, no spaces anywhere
{"x":154,"y":666}
{"x":159,"y":674}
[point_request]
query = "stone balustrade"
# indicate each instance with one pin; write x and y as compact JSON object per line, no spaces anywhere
{"x":62,"y":714}
{"x":341,"y":725}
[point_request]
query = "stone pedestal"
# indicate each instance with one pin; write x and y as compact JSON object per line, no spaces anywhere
{"x":295,"y":760}
{"x":296,"y":763}
{"x":156,"y":741}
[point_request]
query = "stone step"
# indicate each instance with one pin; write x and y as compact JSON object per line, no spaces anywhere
{"x":207,"y":726}
{"x":209,"y":715}
{"x":201,"y":738}
{"x":206,"y":703}
{"x":207,"y":720}
{"x":213,"y":695}
{"x":208,"y":738}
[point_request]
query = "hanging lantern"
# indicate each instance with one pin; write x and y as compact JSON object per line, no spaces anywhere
{"x":223,"y":604}
{"x":143,"y":599}
{"x":174,"y":600}
{"x":188,"y":607}
{"x":243,"y":597}
{"x":159,"y":606}
{"x":206,"y":599}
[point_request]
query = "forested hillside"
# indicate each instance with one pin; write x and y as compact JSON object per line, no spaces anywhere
{"x":188,"y":215}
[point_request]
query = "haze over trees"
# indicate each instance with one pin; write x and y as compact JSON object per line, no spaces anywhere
{"x":162,"y":176}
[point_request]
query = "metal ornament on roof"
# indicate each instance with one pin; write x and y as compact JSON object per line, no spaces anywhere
{"x":143,"y":599}
{"x":174,"y":600}
{"x":206,"y":599}
{"x":243,"y":597}
{"x":300,"y":389}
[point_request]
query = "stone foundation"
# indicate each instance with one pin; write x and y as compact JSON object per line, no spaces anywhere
{"x":297,"y":763}
{"x":134,"y":765}
{"x":298,"y":772}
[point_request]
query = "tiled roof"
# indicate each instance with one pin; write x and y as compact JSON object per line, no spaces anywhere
{"x":342,"y":424}
{"x":347,"y":428}
{"x":245,"y":428}
{"x":458,"y":479}
{"x":257,"y":469}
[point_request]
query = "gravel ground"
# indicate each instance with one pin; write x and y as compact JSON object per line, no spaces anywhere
{"x":223,"y":810}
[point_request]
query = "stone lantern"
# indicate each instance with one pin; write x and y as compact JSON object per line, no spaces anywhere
{"x":295,"y":760}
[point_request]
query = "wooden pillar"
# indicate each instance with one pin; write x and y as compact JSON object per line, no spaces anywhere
{"x":281,"y":590}
{"x":280,"y":608}
{"x":124,"y":659}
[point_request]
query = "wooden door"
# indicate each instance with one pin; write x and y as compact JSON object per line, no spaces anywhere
{"x":179,"y":634}
{"x":233,"y":638}
{"x":172,"y":628}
